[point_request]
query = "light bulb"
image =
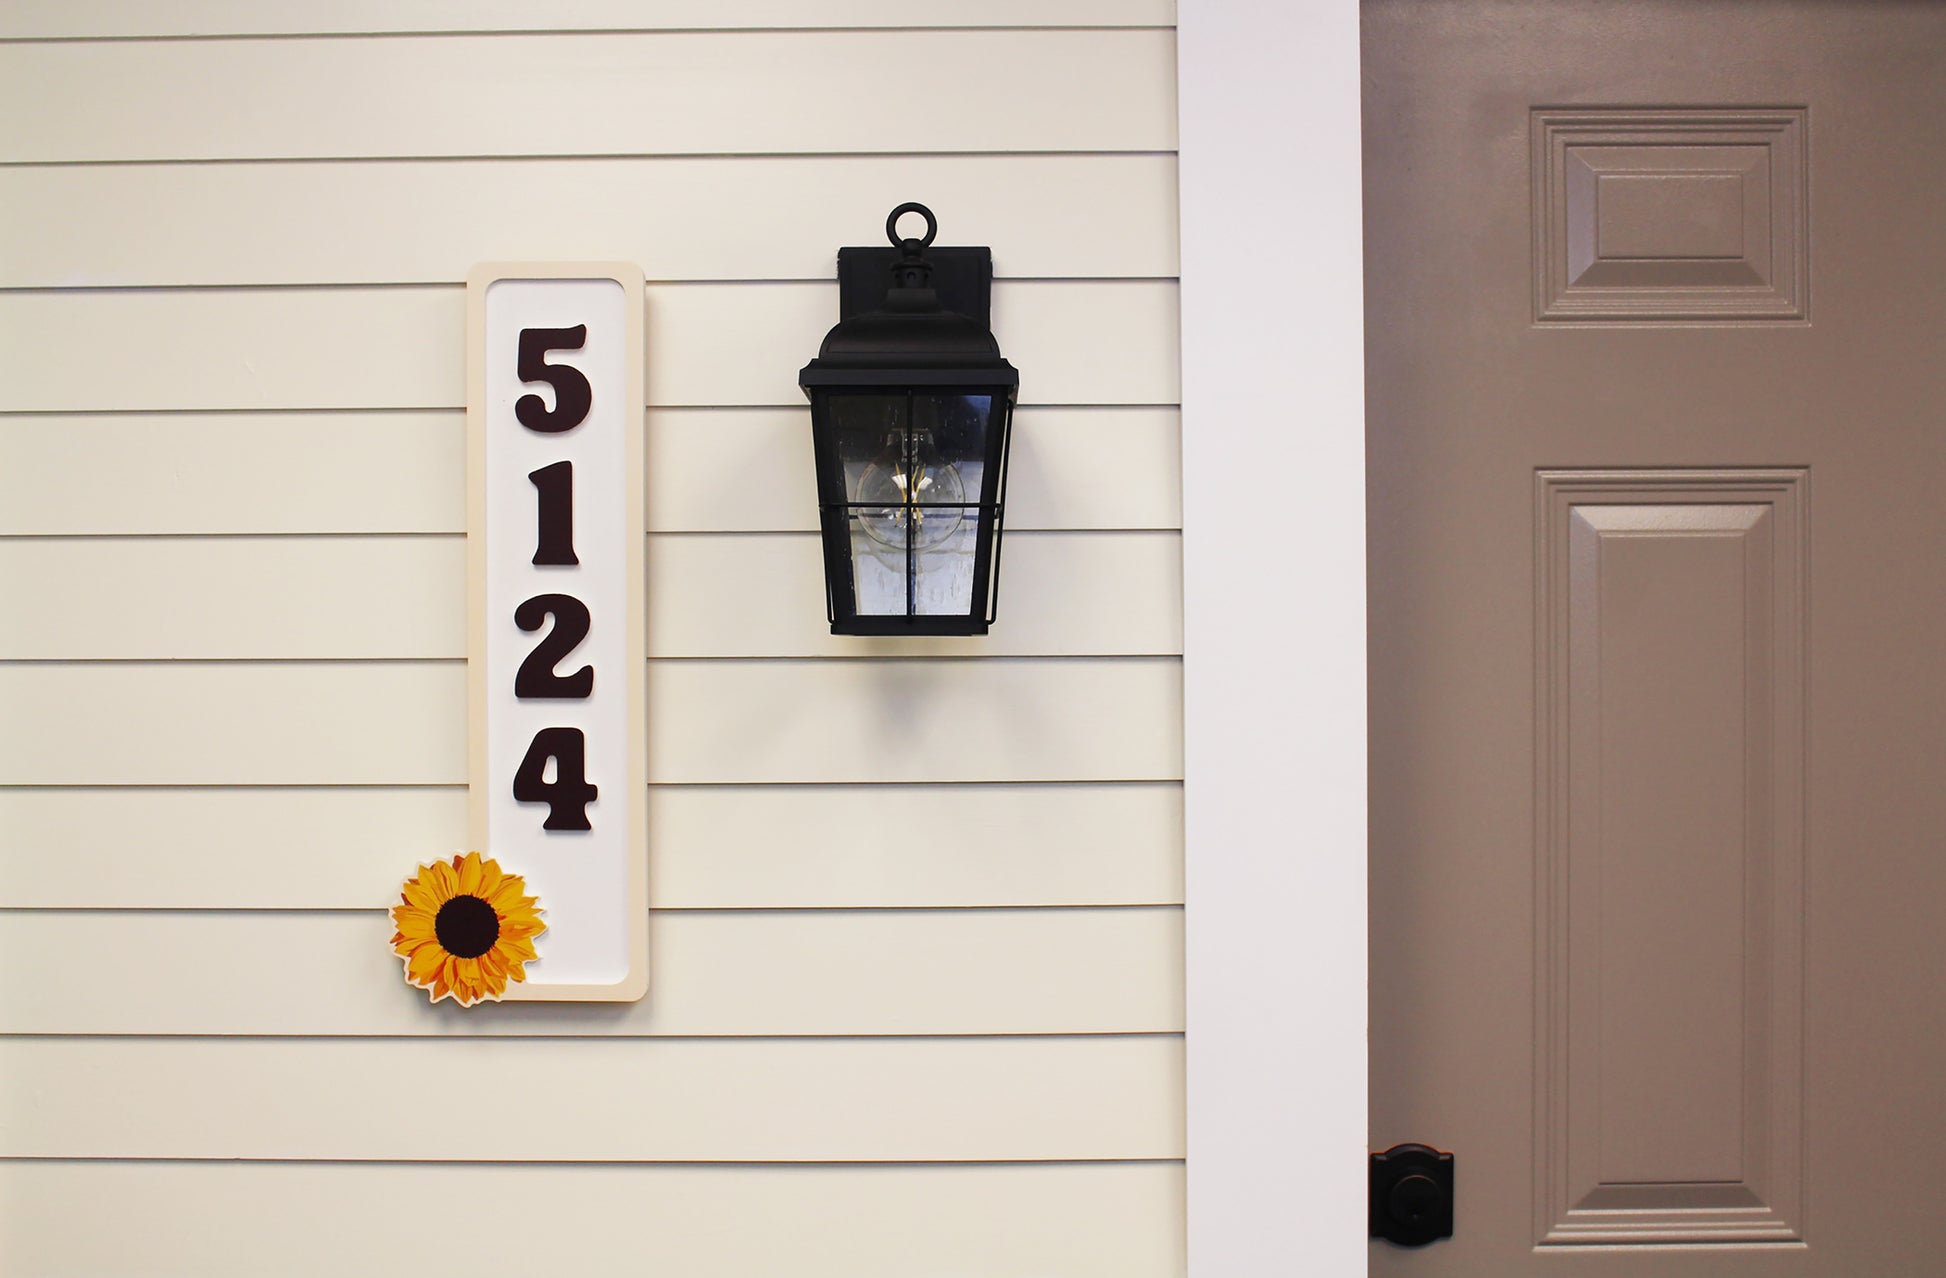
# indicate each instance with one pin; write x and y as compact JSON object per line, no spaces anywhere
{"x":896,"y":486}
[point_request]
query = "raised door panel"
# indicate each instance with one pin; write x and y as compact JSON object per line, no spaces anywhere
{"x":1669,"y":629}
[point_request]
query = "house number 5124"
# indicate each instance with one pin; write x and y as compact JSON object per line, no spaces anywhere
{"x":568,"y":794}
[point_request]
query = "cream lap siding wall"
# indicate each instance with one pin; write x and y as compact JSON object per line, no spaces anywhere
{"x":917,"y":994}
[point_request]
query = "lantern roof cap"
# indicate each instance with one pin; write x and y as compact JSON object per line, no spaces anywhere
{"x":911,"y":329}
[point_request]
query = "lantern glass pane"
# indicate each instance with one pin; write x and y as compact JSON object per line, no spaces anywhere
{"x":950,"y":434}
{"x":914,"y":468}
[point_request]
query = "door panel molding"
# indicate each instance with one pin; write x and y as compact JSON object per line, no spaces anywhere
{"x":1670,"y":215}
{"x":1670,"y":623}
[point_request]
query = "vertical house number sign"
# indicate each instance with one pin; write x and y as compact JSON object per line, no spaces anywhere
{"x":557,"y":657}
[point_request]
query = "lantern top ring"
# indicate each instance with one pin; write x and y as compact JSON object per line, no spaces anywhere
{"x":892,"y":224}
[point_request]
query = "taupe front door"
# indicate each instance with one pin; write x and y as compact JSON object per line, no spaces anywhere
{"x":1656,"y":324}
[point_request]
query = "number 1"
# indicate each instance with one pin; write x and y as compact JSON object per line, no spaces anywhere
{"x":554,"y":517}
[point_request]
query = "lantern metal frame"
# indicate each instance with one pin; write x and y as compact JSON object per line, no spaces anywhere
{"x":913,"y":320}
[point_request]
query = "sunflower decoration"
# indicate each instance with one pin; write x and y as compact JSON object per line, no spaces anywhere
{"x":465,"y":928}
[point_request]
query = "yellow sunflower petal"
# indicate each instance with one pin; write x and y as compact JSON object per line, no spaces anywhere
{"x":438,"y":881}
{"x":425,"y":964}
{"x":491,"y":877}
{"x":469,"y":874}
{"x":420,"y":893}
{"x":410,"y":918}
{"x":506,"y":894}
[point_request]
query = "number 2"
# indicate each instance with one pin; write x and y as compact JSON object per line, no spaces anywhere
{"x":537,"y":680}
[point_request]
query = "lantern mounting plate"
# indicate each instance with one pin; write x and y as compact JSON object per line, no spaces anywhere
{"x":961,"y":277}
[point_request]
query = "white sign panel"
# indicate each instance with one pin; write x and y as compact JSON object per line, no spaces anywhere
{"x":557,"y":665}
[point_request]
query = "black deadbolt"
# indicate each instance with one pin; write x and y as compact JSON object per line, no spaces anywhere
{"x":1412,"y":1195}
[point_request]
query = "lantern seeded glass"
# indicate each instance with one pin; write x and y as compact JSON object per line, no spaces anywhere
{"x":914,"y":467}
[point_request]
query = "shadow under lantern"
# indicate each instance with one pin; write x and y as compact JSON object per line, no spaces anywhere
{"x":911,"y":408}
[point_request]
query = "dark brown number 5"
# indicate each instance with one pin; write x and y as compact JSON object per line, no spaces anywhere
{"x":572,"y":394}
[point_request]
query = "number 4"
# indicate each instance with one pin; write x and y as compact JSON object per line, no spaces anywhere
{"x":568,"y":795}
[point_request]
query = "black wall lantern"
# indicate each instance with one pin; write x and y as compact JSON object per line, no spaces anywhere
{"x":911,"y":406}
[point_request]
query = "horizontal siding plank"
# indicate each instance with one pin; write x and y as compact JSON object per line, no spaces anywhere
{"x":663,"y":1100}
{"x":1099,"y":719}
{"x":1090,"y":342}
{"x":1061,"y":594}
{"x":708,"y":471}
{"x":221,"y":1220}
{"x":1065,"y":594}
{"x":204,"y":849}
{"x":736,"y":974}
{"x":428,"y":222}
{"x":711,"y":847}
{"x":143,"y":473}
{"x":216,"y":597}
{"x":665,"y":93}
{"x":172,"y":724}
{"x":98,"y":19}
{"x":711,"y":722}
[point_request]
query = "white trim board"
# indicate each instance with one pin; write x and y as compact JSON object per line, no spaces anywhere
{"x":1274,"y":635}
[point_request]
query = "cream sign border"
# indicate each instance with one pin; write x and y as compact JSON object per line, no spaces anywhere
{"x":630,"y":789}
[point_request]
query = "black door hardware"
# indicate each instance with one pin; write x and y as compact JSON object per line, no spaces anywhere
{"x":1412,"y":1195}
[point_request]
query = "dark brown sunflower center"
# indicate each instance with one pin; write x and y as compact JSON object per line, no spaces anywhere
{"x":466,"y":927}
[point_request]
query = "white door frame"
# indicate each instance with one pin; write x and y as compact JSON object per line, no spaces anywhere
{"x":1274,"y":643}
